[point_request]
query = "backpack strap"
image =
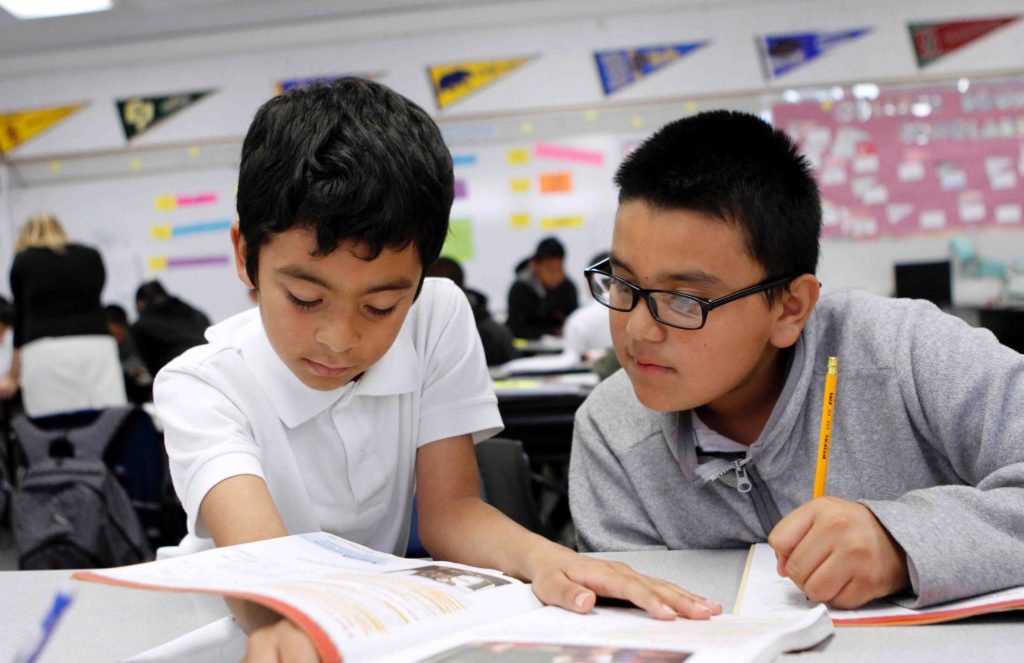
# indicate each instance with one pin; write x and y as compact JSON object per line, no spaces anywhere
{"x":88,"y":441}
{"x":92,"y":440}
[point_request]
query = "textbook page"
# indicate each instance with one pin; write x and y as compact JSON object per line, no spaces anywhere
{"x":764,"y":592}
{"x":350,"y":600}
{"x":628,"y":634}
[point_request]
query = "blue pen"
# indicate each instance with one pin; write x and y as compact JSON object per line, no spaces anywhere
{"x":34,"y":645}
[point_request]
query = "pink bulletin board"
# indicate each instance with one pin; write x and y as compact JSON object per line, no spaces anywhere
{"x":915,"y":160}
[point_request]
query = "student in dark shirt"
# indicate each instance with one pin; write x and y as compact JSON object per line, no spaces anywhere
{"x":496,"y":338}
{"x":64,"y":358}
{"x":542,"y":297}
{"x":167,"y":326}
{"x":138,"y":382}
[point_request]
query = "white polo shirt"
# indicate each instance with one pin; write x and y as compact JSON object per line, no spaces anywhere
{"x":342,"y":461}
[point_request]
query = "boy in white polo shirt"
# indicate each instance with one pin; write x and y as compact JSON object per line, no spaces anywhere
{"x":356,"y":380}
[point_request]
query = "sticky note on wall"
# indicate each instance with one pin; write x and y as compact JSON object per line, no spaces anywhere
{"x":518,"y":156}
{"x":519,"y":184}
{"x":556,"y":182}
{"x":459,"y":243}
{"x":520,"y":220}
{"x":555,"y":223}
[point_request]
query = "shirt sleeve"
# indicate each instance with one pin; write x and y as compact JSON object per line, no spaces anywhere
{"x":207,"y":439}
{"x":606,"y":511}
{"x":457,"y":394}
{"x":965,"y":393}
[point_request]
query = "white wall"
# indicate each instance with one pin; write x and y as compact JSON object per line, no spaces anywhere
{"x":117,"y":210}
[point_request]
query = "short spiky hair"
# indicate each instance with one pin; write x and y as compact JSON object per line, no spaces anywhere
{"x":352,"y":160}
{"x":735,"y":167}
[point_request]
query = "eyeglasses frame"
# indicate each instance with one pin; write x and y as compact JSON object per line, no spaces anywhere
{"x":706,"y":305}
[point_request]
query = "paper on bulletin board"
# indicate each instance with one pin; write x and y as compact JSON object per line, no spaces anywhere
{"x":555,"y":182}
{"x":519,"y":184}
{"x":520,"y":220}
{"x":555,"y":223}
{"x":459,"y":244}
{"x":518,"y":156}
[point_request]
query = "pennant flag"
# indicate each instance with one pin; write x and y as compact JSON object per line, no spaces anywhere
{"x":621,"y":67}
{"x":138,"y":114}
{"x":452,"y":82}
{"x":782,"y":53}
{"x":296,"y":83}
{"x":934,"y":40}
{"x":18,"y":127}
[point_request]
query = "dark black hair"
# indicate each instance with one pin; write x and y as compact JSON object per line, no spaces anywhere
{"x":350,"y":160}
{"x":549,"y":247}
{"x":448,"y":268}
{"x":149,"y":291}
{"x":735,"y":167}
{"x":6,"y":312}
{"x":116,"y":314}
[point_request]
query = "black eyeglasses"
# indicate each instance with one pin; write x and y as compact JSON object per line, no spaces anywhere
{"x":675,"y":309}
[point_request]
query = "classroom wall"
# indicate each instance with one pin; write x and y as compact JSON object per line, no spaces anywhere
{"x":118,"y":209}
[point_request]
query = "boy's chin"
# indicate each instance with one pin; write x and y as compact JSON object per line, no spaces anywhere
{"x":658,"y":400}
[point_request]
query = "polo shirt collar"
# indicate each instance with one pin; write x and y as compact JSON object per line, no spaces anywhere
{"x":397,"y":372}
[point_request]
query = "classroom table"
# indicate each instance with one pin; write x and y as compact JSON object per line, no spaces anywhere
{"x":109,"y":623}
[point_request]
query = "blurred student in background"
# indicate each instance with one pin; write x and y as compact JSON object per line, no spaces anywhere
{"x":542,"y":297}
{"x":167,"y":326}
{"x":497,"y":339}
{"x":138,"y":382}
{"x":65,"y":358}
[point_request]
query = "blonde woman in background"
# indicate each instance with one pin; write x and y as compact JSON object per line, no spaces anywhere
{"x":64,"y":356}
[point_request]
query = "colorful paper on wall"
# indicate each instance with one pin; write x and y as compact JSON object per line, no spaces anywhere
{"x":619,"y":68}
{"x":452,"y":82}
{"x":139,"y":114}
{"x":182,"y":230}
{"x":518,"y":156}
{"x":932,"y":41}
{"x":459,"y":244}
{"x":161,"y":263}
{"x":570,"y":154}
{"x":519,"y":184}
{"x":556,"y":223}
{"x":460,"y":189}
{"x":885,"y":171}
{"x":20,"y":126}
{"x":167,"y":202}
{"x":783,"y":53}
{"x":520,"y":220}
{"x":463,"y":160}
{"x":555,"y":182}
{"x":297,"y":83}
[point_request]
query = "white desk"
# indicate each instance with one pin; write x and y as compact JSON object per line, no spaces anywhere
{"x":107,"y":623}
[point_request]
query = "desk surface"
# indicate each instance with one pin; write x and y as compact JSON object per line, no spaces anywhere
{"x":109,"y":623}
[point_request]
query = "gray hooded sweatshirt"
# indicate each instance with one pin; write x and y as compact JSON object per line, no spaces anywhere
{"x":928,"y":433}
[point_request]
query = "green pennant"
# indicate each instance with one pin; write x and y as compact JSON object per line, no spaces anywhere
{"x":139,"y":114}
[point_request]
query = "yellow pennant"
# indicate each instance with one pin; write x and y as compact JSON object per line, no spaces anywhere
{"x":16,"y":128}
{"x":452,"y":82}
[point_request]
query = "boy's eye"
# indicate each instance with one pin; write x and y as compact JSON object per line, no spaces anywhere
{"x":302,"y":303}
{"x":380,"y":312}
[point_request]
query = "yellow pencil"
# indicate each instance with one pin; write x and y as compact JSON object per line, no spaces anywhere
{"x":828,"y":406}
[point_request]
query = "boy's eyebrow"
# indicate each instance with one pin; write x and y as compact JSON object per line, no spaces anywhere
{"x":295,"y":271}
{"x":692,"y":277}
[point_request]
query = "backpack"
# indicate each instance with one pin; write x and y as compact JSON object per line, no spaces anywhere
{"x":68,"y":510}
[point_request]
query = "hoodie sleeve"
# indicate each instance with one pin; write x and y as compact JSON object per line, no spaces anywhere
{"x":964,"y":392}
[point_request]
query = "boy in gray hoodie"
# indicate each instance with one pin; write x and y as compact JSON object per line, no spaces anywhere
{"x":708,"y":438}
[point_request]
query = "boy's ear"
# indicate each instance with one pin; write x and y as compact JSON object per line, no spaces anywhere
{"x":238,"y":243}
{"x":796,"y":306}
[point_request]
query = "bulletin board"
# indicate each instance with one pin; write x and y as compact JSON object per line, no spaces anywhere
{"x":917,"y":159}
{"x":170,"y":226}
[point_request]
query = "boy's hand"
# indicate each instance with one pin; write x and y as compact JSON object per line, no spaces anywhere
{"x":837,"y":552}
{"x":280,"y":641}
{"x":573,"y":581}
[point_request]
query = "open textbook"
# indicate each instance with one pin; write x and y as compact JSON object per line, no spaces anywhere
{"x":360,"y":604}
{"x":762,"y":591}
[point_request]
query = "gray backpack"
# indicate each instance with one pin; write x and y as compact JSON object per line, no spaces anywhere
{"x":68,"y":510}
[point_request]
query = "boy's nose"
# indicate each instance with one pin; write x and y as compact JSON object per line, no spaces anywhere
{"x":641,"y":325}
{"x":338,"y":337}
